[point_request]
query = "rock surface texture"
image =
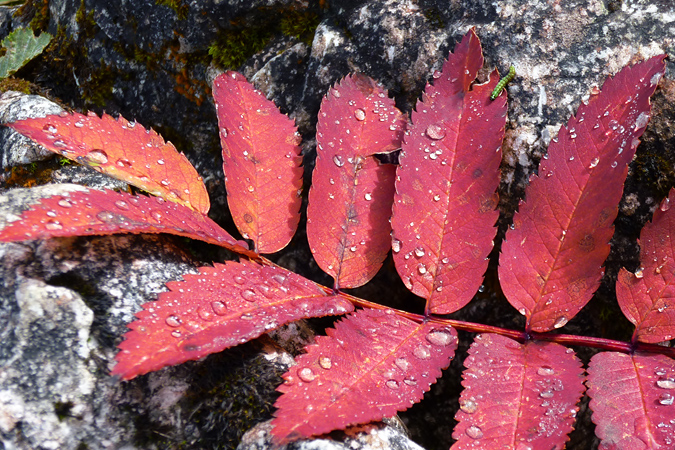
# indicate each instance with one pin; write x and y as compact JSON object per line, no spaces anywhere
{"x":65,"y":303}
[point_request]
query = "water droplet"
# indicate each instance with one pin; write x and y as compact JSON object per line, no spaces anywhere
{"x":392,"y":384}
{"x":238,"y":279}
{"x":395,"y":245}
{"x":105,"y":216}
{"x":639,"y":273}
{"x":594,"y":163}
{"x":325,"y":362}
{"x":560,"y":322}
{"x":205,"y":313}
{"x":546,"y":394}
{"x":422,"y":352}
{"x":468,"y":406}
{"x":665,"y":204}
{"x":523,"y":446}
{"x":666,"y":383}
{"x":439,"y":337}
{"x":176,"y":333}
{"x":64,"y":203}
{"x":156,"y":215}
{"x":248,"y":295}
{"x":306,"y":375}
{"x":97,"y":157}
{"x":219,"y":308}
{"x":368,"y":196}
{"x":338,"y":160}
{"x":410,"y":381}
{"x":481,"y":288}
{"x":402,"y":364}
{"x":246,"y":316}
{"x":666,"y":399}
{"x":173,"y":321}
{"x":545,"y":371}
{"x":435,"y":131}
{"x":474,"y":432}
{"x":123,"y":163}
{"x":641,"y":120}
{"x":51,"y":213}
{"x":437,"y":197}
{"x":53,"y":225}
{"x":122,"y":204}
{"x":360,"y":114}
{"x":422,"y":269}
{"x":49,"y":128}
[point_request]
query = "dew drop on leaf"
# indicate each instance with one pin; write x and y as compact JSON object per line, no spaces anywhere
{"x":666,"y":383}
{"x":439,"y":337}
{"x":238,"y":279}
{"x":422,"y":352}
{"x":545,"y":371}
{"x":468,"y":406}
{"x":419,"y":252}
{"x":392,"y":384}
{"x":64,"y":203}
{"x":53,"y":225}
{"x":546,"y":394}
{"x":666,"y":399}
{"x":594,"y":163}
{"x":156,"y":215}
{"x":360,"y":114}
{"x":97,"y":156}
{"x":474,"y":432}
{"x":435,"y":131}
{"x":219,"y":308}
{"x":205,"y":313}
{"x":122,"y":204}
{"x":338,"y":160}
{"x":560,"y":322}
{"x":665,"y":204}
{"x":402,"y":364}
{"x":306,"y":374}
{"x":325,"y":362}
{"x":49,"y":128}
{"x":248,"y":295}
{"x":639,"y":273}
{"x":395,"y":245}
{"x":176,"y":333}
{"x":410,"y":381}
{"x":173,"y":321}
{"x":422,"y":269}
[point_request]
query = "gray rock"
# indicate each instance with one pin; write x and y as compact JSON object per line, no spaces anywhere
{"x":15,"y":148}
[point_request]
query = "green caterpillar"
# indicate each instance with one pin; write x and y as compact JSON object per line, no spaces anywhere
{"x":503,"y":82}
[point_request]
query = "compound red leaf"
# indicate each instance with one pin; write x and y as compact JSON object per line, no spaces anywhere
{"x":108,"y":212}
{"x":261,"y":162}
{"x":221,"y":307}
{"x":647,"y":298}
{"x":371,"y":365}
{"x":517,"y":396}
{"x":551,"y":262}
{"x":351,"y":194}
{"x":445,"y":204}
{"x":123,"y":150}
{"x":632,"y":400}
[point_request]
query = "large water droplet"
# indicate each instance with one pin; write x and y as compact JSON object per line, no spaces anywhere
{"x":439,"y":337}
{"x":219,"y":308}
{"x":248,"y":295}
{"x":666,"y":399}
{"x":97,"y":156}
{"x":53,"y":225}
{"x":474,"y":432}
{"x":419,"y":252}
{"x":121,"y":204}
{"x":639,"y":273}
{"x":402,"y":364}
{"x":325,"y":362}
{"x":422,"y":352}
{"x":546,"y":394}
{"x":392,"y":384}
{"x":410,"y":381}
{"x":545,"y":371}
{"x":105,"y":216}
{"x":338,"y":160}
{"x":176,"y":333}
{"x":665,"y":204}
{"x":468,"y":406}
{"x":173,"y":321}
{"x":306,"y":374}
{"x":667,"y":383}
{"x":435,"y":131}
{"x":560,"y":322}
{"x":205,"y":313}
{"x":594,"y":163}
{"x":239,"y":279}
{"x":360,"y":114}
{"x":49,"y":128}
{"x":64,"y":203}
{"x":422,"y":269}
{"x":395,"y":245}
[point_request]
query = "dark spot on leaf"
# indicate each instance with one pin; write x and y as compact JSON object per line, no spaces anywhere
{"x":477,"y":173}
{"x":248,"y":218}
{"x":587,"y":244}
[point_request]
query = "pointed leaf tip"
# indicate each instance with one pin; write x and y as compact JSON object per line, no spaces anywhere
{"x":261,"y":162}
{"x":445,"y":205}
{"x":221,"y":307}
{"x":123,"y":150}
{"x":371,"y":365}
{"x":351,"y":194}
{"x":551,"y":261}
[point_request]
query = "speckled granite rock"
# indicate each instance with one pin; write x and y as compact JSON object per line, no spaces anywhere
{"x":149,"y":61}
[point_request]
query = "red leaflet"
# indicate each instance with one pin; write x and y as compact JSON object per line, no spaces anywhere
{"x":517,"y":396}
{"x":261,"y":162}
{"x":372,"y":364}
{"x":351,"y":194}
{"x":632,"y":400}
{"x":124,"y":150}
{"x":647,"y":298}
{"x":551,"y":261}
{"x":445,"y":204}
{"x":223,"y":306}
{"x":108,"y":212}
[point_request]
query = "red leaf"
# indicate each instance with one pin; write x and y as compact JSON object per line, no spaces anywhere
{"x":372,"y":364}
{"x":221,"y":307}
{"x":551,"y":262}
{"x":351,"y":194}
{"x":647,"y":298}
{"x":517,"y":396}
{"x":445,"y":204}
{"x":632,"y":400}
{"x":261,"y":162}
{"x":108,"y":212}
{"x":123,"y":150}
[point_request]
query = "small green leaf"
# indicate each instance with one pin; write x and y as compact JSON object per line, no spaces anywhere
{"x":22,"y":46}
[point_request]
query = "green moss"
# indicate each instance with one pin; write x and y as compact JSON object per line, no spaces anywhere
{"x":180,"y":8}
{"x":36,"y":13}
{"x":15,"y":84}
{"x":300,"y":24}
{"x":233,"y":47}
